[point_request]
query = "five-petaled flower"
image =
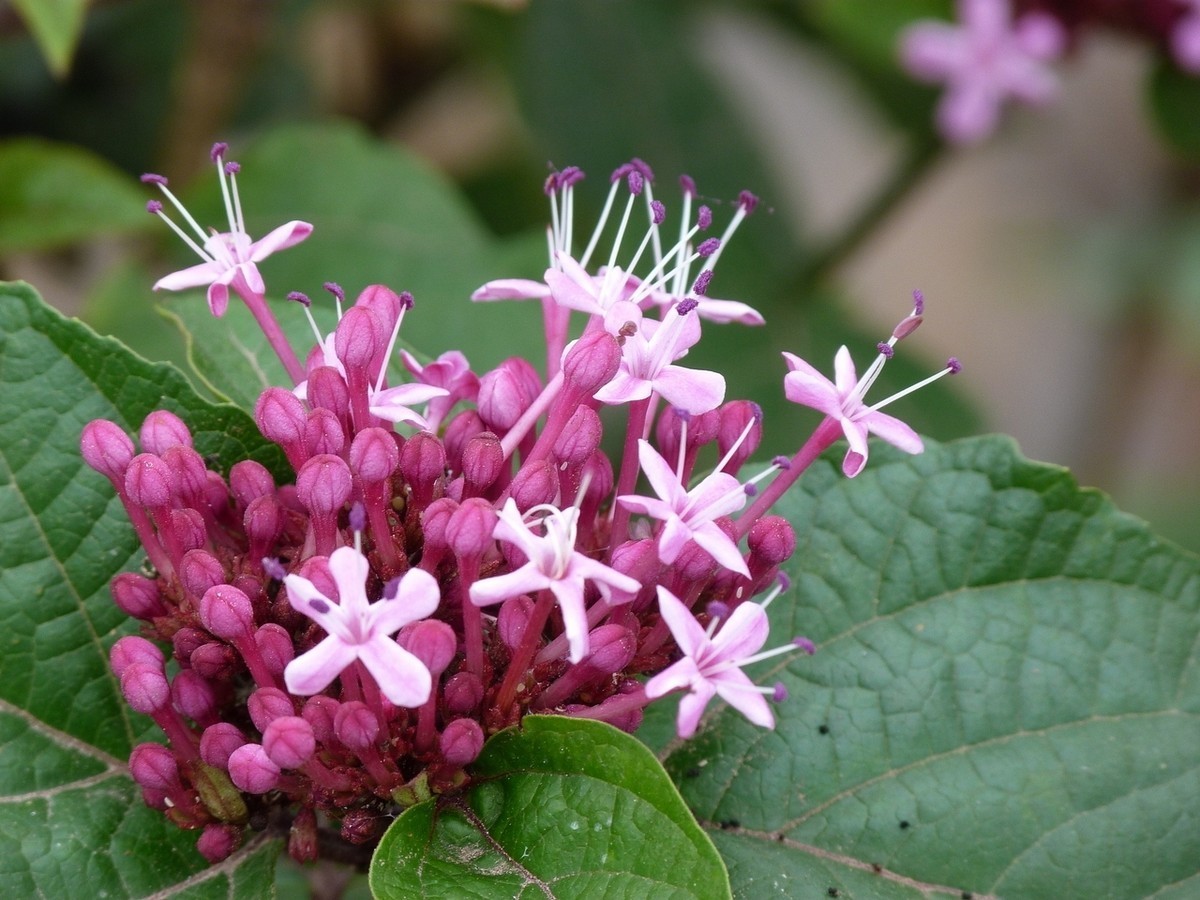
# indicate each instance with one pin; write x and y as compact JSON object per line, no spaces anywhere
{"x":984,"y":61}
{"x":360,"y":630}
{"x":555,"y":565}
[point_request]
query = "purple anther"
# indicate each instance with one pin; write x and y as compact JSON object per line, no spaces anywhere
{"x":717,"y":609}
{"x":106,"y":447}
{"x":906,"y":326}
{"x":356,"y":725}
{"x":805,"y":644}
{"x":461,"y":742}
{"x":391,"y":590}
{"x":885,"y":349}
{"x":299,"y":297}
{"x":252,"y":770}
{"x":954,"y":365}
{"x":918,"y":303}
{"x":227,"y":613}
{"x":318,"y":605}
{"x":750,"y":490}
{"x":154,"y":207}
{"x":289,"y":742}
{"x":620,"y":172}
{"x":232,"y":168}
{"x":700,"y":286}
{"x":688,"y":185}
{"x":551,"y":184}
{"x":570,"y":176}
{"x":218,"y":150}
{"x":658,"y":212}
{"x":780,"y":693}
{"x":154,"y":766}
{"x":133,"y":649}
{"x":336,"y":289}
{"x":152,"y":178}
{"x":685,"y":306}
{"x":783,"y":582}
{"x":406,"y":300}
{"x":708,"y":247}
{"x":274,"y":568}
{"x":704,"y":218}
{"x":747,"y":201}
{"x":782,"y":462}
{"x":635,"y":182}
{"x":642,"y":168}
{"x":358,"y":517}
{"x":217,"y":842}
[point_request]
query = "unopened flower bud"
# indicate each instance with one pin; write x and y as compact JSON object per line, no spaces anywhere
{"x":280,"y":417}
{"x":227,"y":612}
{"x":461,"y":741}
{"x":154,"y":766}
{"x":360,"y":826}
{"x":289,"y":742}
{"x":323,"y":432}
{"x":580,"y":438}
{"x":469,"y":531}
{"x":628,"y":721}
{"x":356,"y":338}
{"x":463,"y":692}
{"x":637,"y":559}
{"x":218,"y":743}
{"x":252,"y":770}
{"x":249,"y":479}
{"x":316,"y":570}
{"x":193,"y":696}
{"x":513,"y":620}
{"x":200,"y":570}
{"x":422,"y":462}
{"x":275,"y":646}
{"x":185,"y":641}
{"x":263,"y":521}
{"x":214,"y":660}
{"x":320,"y":712}
{"x":162,"y":430}
{"x":148,"y":481}
{"x":137,"y":596}
{"x":482,"y":461}
{"x":374,"y":456}
{"x":592,"y":361}
{"x":772,"y":540}
{"x":323,"y":484}
{"x":106,"y":448}
{"x":326,"y":389}
{"x":432,"y":642}
{"x":739,"y":417}
{"x":461,"y":429}
{"x":145,"y":687}
{"x":534,"y":485}
{"x":435,"y":521}
{"x":302,"y":837}
{"x":189,"y":529}
{"x":356,"y":725}
{"x":218,"y":841}
{"x":133,"y":649}
{"x":610,"y":649}
{"x":189,"y":474}
{"x":506,"y":392}
{"x":268,"y":704}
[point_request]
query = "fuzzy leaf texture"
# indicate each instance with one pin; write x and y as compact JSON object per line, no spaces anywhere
{"x":69,"y":813}
{"x":1003,"y":702}
{"x":562,"y":808}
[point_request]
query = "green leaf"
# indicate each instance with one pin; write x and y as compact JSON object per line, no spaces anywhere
{"x":70,"y":815}
{"x":56,"y":25}
{"x":561,"y":808}
{"x":380,"y":216}
{"x":1004,"y":699}
{"x":1174,"y":98}
{"x":55,"y":194}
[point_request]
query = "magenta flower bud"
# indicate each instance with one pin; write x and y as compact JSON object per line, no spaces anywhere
{"x":189,"y":529}
{"x":463,"y":692}
{"x":772,"y":540}
{"x":385,"y":303}
{"x":513,"y":620}
{"x":153,"y":766}
{"x":374,"y":456}
{"x":214,"y":660}
{"x":359,"y":826}
{"x":316,"y":570}
{"x":324,"y":484}
{"x":461,"y":429}
{"x":194,"y":696}
{"x":280,"y":417}
{"x":469,"y":531}
{"x":275,"y":646}
{"x":637,"y":559}
{"x":268,"y":704}
{"x":251,"y":770}
{"x":598,"y":471}
{"x":302,"y":837}
{"x":148,"y":481}
{"x":218,"y":742}
{"x":249,"y":479}
{"x":162,"y":430}
{"x":534,"y":485}
{"x":320,"y":712}
{"x":628,"y":721}
{"x":185,"y":641}
{"x":435,"y":521}
{"x":327,"y":390}
{"x":217,"y":842}
{"x":133,"y":649}
{"x":736,"y":417}
{"x":356,"y":726}
{"x":323,"y":433}
{"x":216,"y":491}
{"x":482,"y":461}
{"x":289,"y":742}
{"x":199,"y":570}
{"x":422,"y":461}
{"x":506,"y":392}
{"x":580,"y":438}
{"x":263,"y":521}
{"x":227,"y":612}
{"x":432,"y":642}
{"x":106,"y":448}
{"x":461,"y":742}
{"x":145,"y":687}
{"x":592,"y":361}
{"x":356,"y":338}
{"x":137,"y":596}
{"x":610,"y":649}
{"x":189,"y":474}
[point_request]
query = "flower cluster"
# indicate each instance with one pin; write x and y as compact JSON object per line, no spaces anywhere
{"x":457,"y":550}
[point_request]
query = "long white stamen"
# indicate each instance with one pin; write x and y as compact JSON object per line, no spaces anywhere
{"x":568,"y":218}
{"x":616,"y":247}
{"x":908,"y":390}
{"x":656,"y":278}
{"x":554,"y":233}
{"x":604,"y":213}
{"x":183,"y":212}
{"x":204,"y":254}
{"x":237,"y":203}
{"x":741,"y":437}
{"x":729,"y":230}
{"x":233,"y":226}
{"x":684,"y":236}
{"x":387,"y":356}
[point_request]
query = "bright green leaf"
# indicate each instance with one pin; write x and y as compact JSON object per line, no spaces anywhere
{"x":561,"y":808}
{"x":56,"y":25}
{"x":69,"y":813}
{"x":55,"y":194}
{"x":1004,"y":699}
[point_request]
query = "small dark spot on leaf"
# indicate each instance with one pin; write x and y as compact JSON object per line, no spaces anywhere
{"x":904,"y":823}
{"x":832,"y":892}
{"x":693,"y":772}
{"x":967,"y":895}
{"x":729,"y":823}
{"x":823,"y":729}
{"x":780,"y":837}
{"x":876,"y":868}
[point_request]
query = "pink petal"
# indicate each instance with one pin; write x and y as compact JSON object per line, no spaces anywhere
{"x":661,"y":476}
{"x":528,"y":579}
{"x":695,"y":391}
{"x":510,"y":289}
{"x":350,"y":569}
{"x":892,"y":430}
{"x":932,"y":51}
{"x":614,"y":586}
{"x":218,"y":298}
{"x":742,"y":634}
{"x":681,"y":674}
{"x":808,"y":387}
{"x":968,"y":113}
{"x":724,"y":311}
{"x":569,"y":593}
{"x":691,"y":708}
{"x":717,"y":495}
{"x":417,"y":599}
{"x":566,"y":292}
{"x":720,"y":547}
{"x":402,"y":677}
{"x":191,"y":277}
{"x":740,"y":692}
{"x":646,"y":506}
{"x":286,"y":235}
{"x":674,"y":536}
{"x":684,"y":628}
{"x":844,"y":376}
{"x":624,"y":388}
{"x":312,"y":672}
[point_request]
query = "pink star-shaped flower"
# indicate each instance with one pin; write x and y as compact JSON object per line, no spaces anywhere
{"x":555,"y":565}
{"x":450,"y":371}
{"x":688,"y":515}
{"x":843,"y":402}
{"x":712,"y":664}
{"x":983,"y":61}
{"x":359,"y":630}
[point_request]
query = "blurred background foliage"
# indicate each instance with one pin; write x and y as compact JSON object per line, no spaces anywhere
{"x":1063,"y":268}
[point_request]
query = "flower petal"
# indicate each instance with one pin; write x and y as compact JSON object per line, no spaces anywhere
{"x":401,"y":677}
{"x":695,"y":391}
{"x":526,"y":580}
{"x":312,"y":672}
{"x":684,"y":628}
{"x":287,"y":235}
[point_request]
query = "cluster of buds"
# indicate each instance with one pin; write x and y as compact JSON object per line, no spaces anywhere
{"x":457,"y":550}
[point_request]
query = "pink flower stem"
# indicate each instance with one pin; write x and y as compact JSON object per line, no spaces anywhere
{"x":255,"y":663}
{"x":528,"y":419}
{"x":627,"y":480}
{"x":183,"y":740}
{"x":557,"y":647}
{"x":468,"y":574}
{"x":275,"y":337}
{"x":145,"y":532}
{"x":375,"y":502}
{"x":821,"y":440}
{"x":370,"y":692}
{"x":426,"y":734}
{"x":518,"y":666}
{"x":326,"y":778}
{"x":357,"y":383}
{"x":611,"y":709}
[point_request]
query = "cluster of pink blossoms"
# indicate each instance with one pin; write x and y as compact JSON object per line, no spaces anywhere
{"x":456,"y":549}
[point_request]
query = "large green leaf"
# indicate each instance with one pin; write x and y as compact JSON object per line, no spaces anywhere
{"x":1174,"y":97}
{"x":69,"y":814}
{"x":1004,"y":699}
{"x":561,"y":808}
{"x":56,"y":26}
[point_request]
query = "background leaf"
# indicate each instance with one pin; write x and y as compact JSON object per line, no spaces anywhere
{"x":56,"y":25}
{"x":69,"y":813}
{"x":564,"y":808}
{"x":1003,"y":701}
{"x":1174,"y":98}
